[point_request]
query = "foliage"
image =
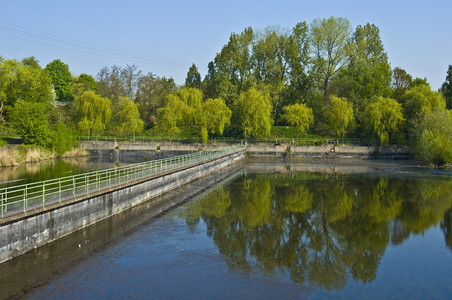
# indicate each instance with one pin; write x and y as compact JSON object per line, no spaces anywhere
{"x":420,"y":100}
{"x":402,"y":81}
{"x":299,"y":115}
{"x":193,"y":79}
{"x":128,"y":118}
{"x":339,"y":115}
{"x":83,"y":83}
{"x":329,"y":42}
{"x":212,"y":117}
{"x":151,"y":93}
{"x":431,"y":137}
{"x":61,"y":80}
{"x":252,"y":111}
{"x":171,"y":114}
{"x":31,"y":121}
{"x":446,"y":88}
{"x":23,"y":81}
{"x":118,"y":82}
{"x":368,"y":72}
{"x":94,"y":112}
{"x":383,"y":117}
{"x":62,"y":139}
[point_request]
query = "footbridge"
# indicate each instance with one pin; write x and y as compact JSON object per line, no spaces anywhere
{"x":34,"y":214}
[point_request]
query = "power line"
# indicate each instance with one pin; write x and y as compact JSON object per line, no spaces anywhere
{"x":39,"y":37}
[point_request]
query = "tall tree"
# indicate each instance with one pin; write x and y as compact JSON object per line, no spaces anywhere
{"x":368,"y":73}
{"x":118,"y":82}
{"x":61,"y":79}
{"x":329,"y":41}
{"x":193,"y":78}
{"x":298,"y":60}
{"x":446,"y":88}
{"x":231,"y":71}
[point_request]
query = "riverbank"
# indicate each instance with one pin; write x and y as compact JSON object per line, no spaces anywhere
{"x":15,"y":155}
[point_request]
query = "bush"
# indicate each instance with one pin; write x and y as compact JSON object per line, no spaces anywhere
{"x":431,"y":139}
{"x":63,"y":140}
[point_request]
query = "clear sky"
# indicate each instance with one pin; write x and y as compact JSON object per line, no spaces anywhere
{"x":166,"y":37}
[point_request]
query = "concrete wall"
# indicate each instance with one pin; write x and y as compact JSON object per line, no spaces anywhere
{"x":327,"y":151}
{"x":22,"y":235}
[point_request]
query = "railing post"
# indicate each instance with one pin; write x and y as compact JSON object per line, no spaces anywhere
{"x":43,"y":193}
{"x":59,"y":190}
{"x":2,"y":205}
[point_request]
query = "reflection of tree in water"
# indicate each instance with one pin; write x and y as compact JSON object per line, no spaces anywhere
{"x":446,"y":226}
{"x":318,"y":231}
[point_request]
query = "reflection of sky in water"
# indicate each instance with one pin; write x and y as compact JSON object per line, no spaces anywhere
{"x":214,"y":248}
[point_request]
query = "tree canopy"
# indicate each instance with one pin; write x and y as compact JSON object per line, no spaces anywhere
{"x":61,"y":80}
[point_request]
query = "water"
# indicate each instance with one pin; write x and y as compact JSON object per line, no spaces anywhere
{"x":340,"y":230}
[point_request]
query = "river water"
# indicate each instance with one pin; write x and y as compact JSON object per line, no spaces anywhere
{"x":271,"y":230}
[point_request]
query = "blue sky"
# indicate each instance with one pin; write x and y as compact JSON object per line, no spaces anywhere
{"x":166,"y":37}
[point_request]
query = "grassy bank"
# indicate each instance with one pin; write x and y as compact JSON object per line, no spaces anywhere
{"x":14,"y":155}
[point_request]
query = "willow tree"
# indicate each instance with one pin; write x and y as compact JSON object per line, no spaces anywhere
{"x":253,"y":113}
{"x":339,"y":115}
{"x":94,"y":112}
{"x":212,"y":117}
{"x":384,"y":118}
{"x":128,"y":117}
{"x":299,"y":115}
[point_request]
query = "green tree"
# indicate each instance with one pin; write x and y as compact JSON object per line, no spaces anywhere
{"x":151,"y":94}
{"x":298,"y":115}
{"x":298,"y":62}
{"x":128,"y":117}
{"x":32,"y":122}
{"x":94,"y":112}
{"x":420,"y":100}
{"x":446,"y":88}
{"x":61,"y":80}
{"x":231,"y":70}
{"x":171,"y":114}
{"x":383,"y":117}
{"x":83,"y":83}
{"x":368,"y":73}
{"x":329,"y":41}
{"x":401,"y":82}
{"x":252,"y":111}
{"x":431,"y":138}
{"x":212,"y":117}
{"x":339,"y":115}
{"x":193,"y":78}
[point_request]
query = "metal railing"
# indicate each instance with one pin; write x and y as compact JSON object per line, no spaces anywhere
{"x":26,"y":197}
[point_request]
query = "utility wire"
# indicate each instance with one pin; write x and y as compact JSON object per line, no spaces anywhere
{"x":39,"y":37}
